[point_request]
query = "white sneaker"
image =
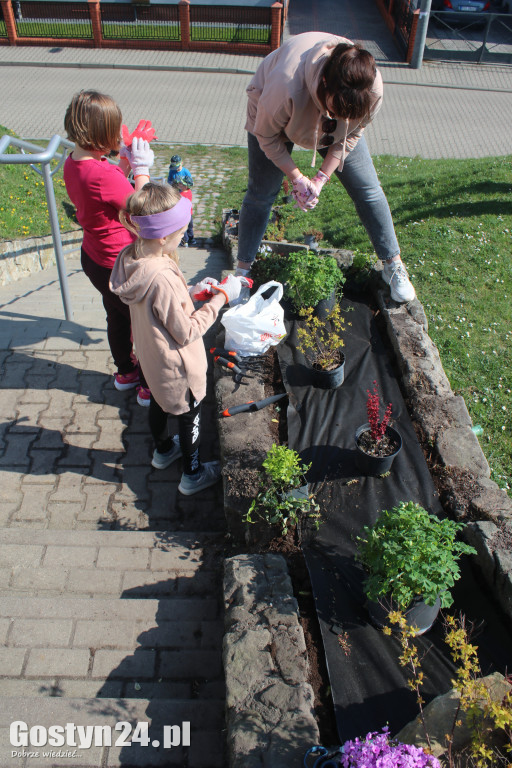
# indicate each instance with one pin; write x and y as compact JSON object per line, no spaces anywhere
{"x":209,"y":475}
{"x":163,"y":460}
{"x":395,"y":275}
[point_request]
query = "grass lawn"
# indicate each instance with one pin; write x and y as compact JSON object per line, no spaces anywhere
{"x":49,"y":28}
{"x":454,"y":224}
{"x":142,"y":30}
{"x":23,"y":208}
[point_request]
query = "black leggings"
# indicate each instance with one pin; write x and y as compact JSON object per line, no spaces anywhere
{"x":119,"y":329}
{"x":189,"y":431}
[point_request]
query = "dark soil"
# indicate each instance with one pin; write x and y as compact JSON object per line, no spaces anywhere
{"x":386,"y":446}
{"x":289,"y":547}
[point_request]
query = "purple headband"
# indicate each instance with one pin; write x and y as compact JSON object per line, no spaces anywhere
{"x":157,"y":225}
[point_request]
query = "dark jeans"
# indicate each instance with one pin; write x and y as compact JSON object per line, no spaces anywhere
{"x":359,"y":178}
{"x":189,"y":431}
{"x":189,"y":234}
{"x":119,"y":329}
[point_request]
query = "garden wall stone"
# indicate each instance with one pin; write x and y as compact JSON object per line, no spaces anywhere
{"x":269,"y":701}
{"x":493,"y":544}
{"x":20,"y":258}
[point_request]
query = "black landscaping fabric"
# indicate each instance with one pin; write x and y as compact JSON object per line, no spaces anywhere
{"x":369,"y":688}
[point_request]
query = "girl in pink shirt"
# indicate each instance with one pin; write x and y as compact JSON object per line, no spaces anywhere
{"x":99,"y":190}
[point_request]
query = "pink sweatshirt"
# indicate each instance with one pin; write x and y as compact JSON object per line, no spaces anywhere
{"x":167,"y":329}
{"x":283,"y":103}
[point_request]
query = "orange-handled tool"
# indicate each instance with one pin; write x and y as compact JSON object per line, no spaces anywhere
{"x":220,"y":351}
{"x":252,"y":405}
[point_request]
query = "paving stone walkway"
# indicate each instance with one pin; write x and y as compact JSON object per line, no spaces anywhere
{"x":110,"y":581}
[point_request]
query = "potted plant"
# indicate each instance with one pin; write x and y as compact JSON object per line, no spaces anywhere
{"x":312,"y":238}
{"x":320,"y":341}
{"x":377,"y":444}
{"x":411,"y":560}
{"x":283,"y":499}
{"x":376,"y":750}
{"x":309,"y":279}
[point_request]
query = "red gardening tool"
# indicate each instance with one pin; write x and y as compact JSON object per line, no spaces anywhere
{"x":253,"y":405}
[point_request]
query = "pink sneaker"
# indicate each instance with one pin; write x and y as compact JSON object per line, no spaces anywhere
{"x":143,"y":396}
{"x":124,"y":381}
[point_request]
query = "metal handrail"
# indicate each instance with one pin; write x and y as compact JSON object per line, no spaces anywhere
{"x":36,"y":156}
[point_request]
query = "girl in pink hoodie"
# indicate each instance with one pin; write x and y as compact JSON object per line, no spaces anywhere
{"x":167,"y":328}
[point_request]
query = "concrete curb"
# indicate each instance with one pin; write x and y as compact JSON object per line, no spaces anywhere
{"x":148,"y":67}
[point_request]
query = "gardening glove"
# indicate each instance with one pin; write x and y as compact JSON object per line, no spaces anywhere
{"x":140,"y":157}
{"x":230,"y":287}
{"x":303,"y":193}
{"x":318,"y":181}
{"x":202,"y":290}
{"x":144,"y":130}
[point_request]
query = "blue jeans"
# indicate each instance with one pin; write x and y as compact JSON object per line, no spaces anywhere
{"x":358,"y":177}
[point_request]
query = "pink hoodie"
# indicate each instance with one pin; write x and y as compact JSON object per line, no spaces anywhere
{"x":167,"y":329}
{"x":283,"y":103}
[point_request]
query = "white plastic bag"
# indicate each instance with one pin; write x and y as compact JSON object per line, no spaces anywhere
{"x":253,"y":327}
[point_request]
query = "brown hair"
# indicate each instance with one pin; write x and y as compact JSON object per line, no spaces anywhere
{"x":93,"y":121}
{"x":347,"y":81}
{"x":153,"y":197}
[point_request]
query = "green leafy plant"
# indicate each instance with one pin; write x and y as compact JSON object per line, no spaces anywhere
{"x":307,"y":276}
{"x":282,"y":474}
{"x":320,"y":340}
{"x":409,"y":553}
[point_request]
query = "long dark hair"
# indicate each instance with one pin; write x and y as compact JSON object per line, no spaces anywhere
{"x":347,"y":81}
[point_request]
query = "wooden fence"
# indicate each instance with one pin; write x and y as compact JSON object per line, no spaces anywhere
{"x":94,"y":24}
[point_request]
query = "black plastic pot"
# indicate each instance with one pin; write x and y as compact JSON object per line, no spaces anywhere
{"x":311,"y":242}
{"x":418,"y":614}
{"x":376,"y":465}
{"x":328,"y":379}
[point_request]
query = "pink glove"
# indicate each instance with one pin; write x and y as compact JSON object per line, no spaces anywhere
{"x":140,"y":157}
{"x":304,"y":194}
{"x":318,"y":181}
{"x":144,"y":130}
{"x":203,"y":290}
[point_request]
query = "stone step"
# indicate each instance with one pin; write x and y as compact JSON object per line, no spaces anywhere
{"x":201,"y":747}
{"x":111,"y":497}
{"x":102,"y":647}
{"x":128,"y":564}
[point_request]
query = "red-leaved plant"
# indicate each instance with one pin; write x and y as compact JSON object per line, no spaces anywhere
{"x":377,"y":428}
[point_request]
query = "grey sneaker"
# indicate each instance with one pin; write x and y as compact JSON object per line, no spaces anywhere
{"x":395,"y":275}
{"x":209,"y":475}
{"x":163,"y":460}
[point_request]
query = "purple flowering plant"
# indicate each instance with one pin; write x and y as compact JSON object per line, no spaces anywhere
{"x":377,"y":750}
